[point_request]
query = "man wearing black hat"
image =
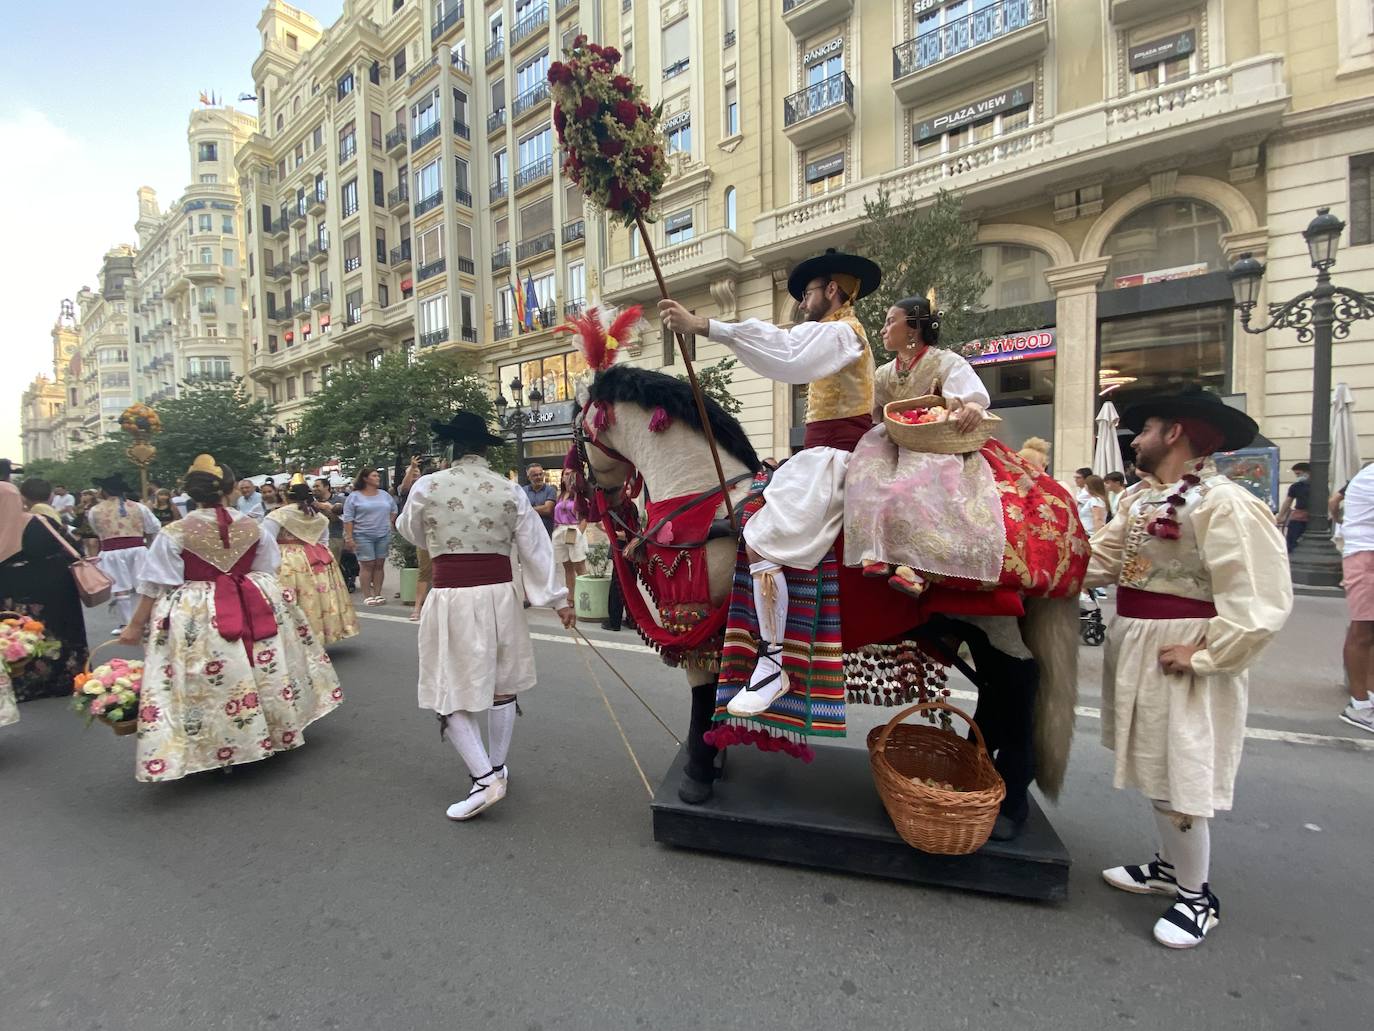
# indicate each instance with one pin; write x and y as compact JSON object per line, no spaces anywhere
{"x":1203,"y":585}
{"x":475,"y":653}
{"x":828,"y":353}
{"x":125,"y":529}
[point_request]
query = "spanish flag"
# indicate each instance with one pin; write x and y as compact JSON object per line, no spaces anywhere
{"x":519,"y":294}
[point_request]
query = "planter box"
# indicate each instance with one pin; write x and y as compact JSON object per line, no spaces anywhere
{"x":592,"y":594}
{"x":409,"y":577}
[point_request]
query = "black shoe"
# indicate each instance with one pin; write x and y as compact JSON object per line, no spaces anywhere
{"x":606,"y":624}
{"x":1004,"y":828}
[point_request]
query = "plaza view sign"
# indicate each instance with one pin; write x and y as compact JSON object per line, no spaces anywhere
{"x":977,"y":111}
{"x":1157,"y":51}
{"x":1014,"y":347}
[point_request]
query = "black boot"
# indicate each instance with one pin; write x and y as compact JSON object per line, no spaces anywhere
{"x":701,"y":767}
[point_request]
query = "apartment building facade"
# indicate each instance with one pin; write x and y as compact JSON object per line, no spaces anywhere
{"x":101,"y":372}
{"x":49,"y":408}
{"x":402,"y":179}
{"x":1117,"y":156}
{"x":188,"y":301}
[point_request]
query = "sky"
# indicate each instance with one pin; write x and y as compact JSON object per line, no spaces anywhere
{"x":94,"y":100}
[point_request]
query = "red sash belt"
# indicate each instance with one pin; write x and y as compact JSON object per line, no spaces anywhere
{"x":121,"y":543}
{"x":471,"y":570}
{"x":242,"y":613}
{"x":318,"y":555}
{"x":1137,"y":604}
{"x":843,"y":434}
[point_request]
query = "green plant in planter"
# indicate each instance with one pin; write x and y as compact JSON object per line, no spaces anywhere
{"x":404,"y":555}
{"x":599,"y":559}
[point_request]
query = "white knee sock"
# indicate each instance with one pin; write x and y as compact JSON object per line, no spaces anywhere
{"x":126,"y":603}
{"x":462,"y":732}
{"x":770,"y":600}
{"x":1188,"y":847}
{"x":500,"y":727}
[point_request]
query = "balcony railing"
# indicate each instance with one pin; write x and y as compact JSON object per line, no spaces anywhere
{"x":495,"y":49}
{"x":354,"y":263}
{"x":461,"y":129}
{"x":427,"y":135}
{"x":829,"y":93}
{"x":469,"y":334}
{"x":432,"y":268}
{"x":281,"y":270}
{"x":497,"y":190}
{"x":450,"y":19}
{"x":353,"y":316}
{"x":532,"y":22}
{"x":437,"y":336}
{"x":534,"y":171}
{"x":500,"y":259}
{"x":496,"y":119}
{"x":398,"y":196}
{"x":574,"y":307}
{"x":463,"y":197}
{"x":206,"y":307}
{"x":400,"y":255}
{"x":298,"y":210}
{"x":320,"y":298}
{"x":729,"y":40}
{"x":396,"y":138}
{"x":573,"y":231}
{"x":282,"y":226}
{"x":460,"y":64}
{"x":541,"y":244}
{"x":298,"y":259}
{"x":466,"y":265}
{"x":429,"y":203}
{"x":424,"y":69}
{"x":531,"y":98}
{"x":964,"y":33}
{"x":316,"y":251}
{"x":301,"y":305}
{"x":348,"y":148}
{"x":502,"y":330}
{"x":563,"y":5}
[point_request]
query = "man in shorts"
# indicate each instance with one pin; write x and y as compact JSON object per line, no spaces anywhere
{"x":1358,"y":561}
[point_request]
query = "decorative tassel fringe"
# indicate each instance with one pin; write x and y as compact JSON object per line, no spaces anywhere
{"x":727,"y":734}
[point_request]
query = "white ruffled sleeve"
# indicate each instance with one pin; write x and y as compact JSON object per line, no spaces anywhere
{"x":963,"y":383}
{"x":270,"y":527}
{"x":542,"y":578}
{"x":150,"y":524}
{"x":267,"y":559}
{"x":160,"y":569}
{"x":807,"y":351}
{"x":410,"y":523}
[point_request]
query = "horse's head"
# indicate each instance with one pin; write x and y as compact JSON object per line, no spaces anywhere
{"x":604,"y":467}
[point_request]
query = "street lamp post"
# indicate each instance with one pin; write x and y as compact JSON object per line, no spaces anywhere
{"x":1319,"y":315}
{"x":514,"y":419}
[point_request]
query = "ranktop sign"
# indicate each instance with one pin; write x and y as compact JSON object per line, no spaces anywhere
{"x":1147,"y":55}
{"x":823,"y":51}
{"x":976,"y":111}
{"x":1014,"y":347}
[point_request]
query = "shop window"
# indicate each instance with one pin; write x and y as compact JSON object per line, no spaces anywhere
{"x":677,"y":227}
{"x":1361,"y":199}
{"x":1171,"y":239}
{"x":1016,"y":274}
{"x":1018,"y":384}
{"x":1159,"y":62}
{"x":824,"y":174}
{"x":1162,"y":351}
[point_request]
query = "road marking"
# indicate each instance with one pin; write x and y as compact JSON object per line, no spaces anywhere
{"x":1288,"y":737}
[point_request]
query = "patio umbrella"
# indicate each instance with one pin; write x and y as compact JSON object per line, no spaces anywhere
{"x":1107,"y":453}
{"x":1345,"y":443}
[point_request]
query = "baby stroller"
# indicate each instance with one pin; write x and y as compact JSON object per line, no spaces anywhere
{"x":1090,"y":624}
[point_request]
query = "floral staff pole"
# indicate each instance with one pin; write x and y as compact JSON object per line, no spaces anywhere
{"x":614,"y":152}
{"x":140,"y":422}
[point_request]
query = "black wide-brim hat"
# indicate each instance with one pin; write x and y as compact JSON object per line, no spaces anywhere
{"x":113,"y":484}
{"x":1237,"y":429}
{"x":865,"y":273}
{"x":466,"y":428}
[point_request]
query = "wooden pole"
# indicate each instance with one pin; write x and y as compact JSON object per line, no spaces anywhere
{"x":692,"y":379}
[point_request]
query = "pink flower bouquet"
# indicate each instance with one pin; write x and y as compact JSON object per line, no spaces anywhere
{"x":22,"y":640}
{"x":111,"y":693}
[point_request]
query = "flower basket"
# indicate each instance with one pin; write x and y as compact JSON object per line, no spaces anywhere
{"x":937,"y":438}
{"x":110,"y":693}
{"x":22,"y":640}
{"x":940,"y":789}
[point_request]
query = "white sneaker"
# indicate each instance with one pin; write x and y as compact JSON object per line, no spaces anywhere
{"x":1188,"y":920}
{"x":768,"y":684}
{"x":486,"y":792}
{"x":1154,"y":878}
{"x":1362,"y":718}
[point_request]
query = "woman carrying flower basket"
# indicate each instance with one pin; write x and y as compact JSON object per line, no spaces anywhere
{"x":234,"y":673}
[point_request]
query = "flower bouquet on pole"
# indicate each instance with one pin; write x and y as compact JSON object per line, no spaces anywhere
{"x":613,"y":149}
{"x":21,"y":641}
{"x":110,"y":693}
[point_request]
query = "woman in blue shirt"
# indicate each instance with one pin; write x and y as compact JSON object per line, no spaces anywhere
{"x":368,"y":517}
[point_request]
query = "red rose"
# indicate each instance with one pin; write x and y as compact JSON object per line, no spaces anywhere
{"x":560,"y":73}
{"x":231,"y":707}
{"x":580,"y":41}
{"x":149,"y":714}
{"x":587,"y":109}
{"x":155,"y":766}
{"x":641,"y":200}
{"x":211,"y":668}
{"x":611,"y":54}
{"x":602,"y":67}
{"x":618,"y":196}
{"x":627,"y":113}
{"x":644,"y":160}
{"x":611,"y":148}
{"x":224,"y":754}
{"x":559,"y":121}
{"x":645,"y":111}
{"x":623,"y":84}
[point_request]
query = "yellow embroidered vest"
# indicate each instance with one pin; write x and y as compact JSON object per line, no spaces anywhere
{"x":849,"y":392}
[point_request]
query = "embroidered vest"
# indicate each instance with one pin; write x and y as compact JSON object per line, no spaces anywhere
{"x":849,"y":392}
{"x":1175,"y":567}
{"x":924,"y":377}
{"x":107,"y":523}
{"x":198,"y":535}
{"x":470,"y":510}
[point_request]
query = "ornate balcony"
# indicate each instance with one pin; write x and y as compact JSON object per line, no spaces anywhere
{"x":429,"y":203}
{"x":496,"y":120}
{"x":534,"y":172}
{"x":425,"y":136}
{"x":398,"y":197}
{"x":281,"y":270}
{"x":451,"y":18}
{"x":824,"y":109}
{"x":495,"y":49}
{"x":574,"y":231}
{"x":423,"y":70}
{"x":804,"y":17}
{"x":467,"y":265}
{"x":497,"y":190}
{"x":298,"y":211}
{"x":320,"y":298}
{"x":434,"y":337}
{"x":317,"y":251}
{"x":396,"y":141}
{"x":432,"y":268}
{"x":316,"y":198}
{"x":962,"y":49}
{"x":533,"y":99}
{"x":400,"y":255}
{"x":469,"y":334}
{"x":298,"y":260}
{"x":463,"y":197}
{"x":461,"y":129}
{"x":541,"y":244}
{"x":528,"y":25}
{"x":715,"y":255}
{"x":500,"y":259}
{"x":502,"y":330}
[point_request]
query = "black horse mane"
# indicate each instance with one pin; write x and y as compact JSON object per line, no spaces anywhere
{"x":657,"y":390}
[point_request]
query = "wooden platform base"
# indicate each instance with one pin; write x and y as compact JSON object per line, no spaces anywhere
{"x":828,"y":815}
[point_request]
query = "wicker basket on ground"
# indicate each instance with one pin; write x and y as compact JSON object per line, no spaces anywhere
{"x":912,"y":764}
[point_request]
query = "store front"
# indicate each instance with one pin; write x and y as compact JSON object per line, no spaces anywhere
{"x":548,"y":432}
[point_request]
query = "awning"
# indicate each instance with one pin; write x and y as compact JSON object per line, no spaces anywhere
{"x":306,"y":328}
{"x":324,"y":321}
{"x":407,"y":284}
{"x":290,"y":336}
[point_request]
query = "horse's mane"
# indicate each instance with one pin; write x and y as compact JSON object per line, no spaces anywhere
{"x":652,"y":390}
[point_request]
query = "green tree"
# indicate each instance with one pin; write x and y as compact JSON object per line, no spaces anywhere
{"x":82,"y":467}
{"x":380,"y":416}
{"x":714,"y":381}
{"x":221,"y":419}
{"x":924,"y":245}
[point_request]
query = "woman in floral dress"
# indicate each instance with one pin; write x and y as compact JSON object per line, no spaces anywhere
{"x":308,"y":569}
{"x":233,"y":672}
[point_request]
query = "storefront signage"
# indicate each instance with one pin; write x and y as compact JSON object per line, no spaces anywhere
{"x":680,"y":220}
{"x":1147,"y":55}
{"x":977,"y":111}
{"x":823,"y":51}
{"x":825,"y":167}
{"x":1015,"y":347}
{"x":1163,"y":275}
{"x":677,"y":121}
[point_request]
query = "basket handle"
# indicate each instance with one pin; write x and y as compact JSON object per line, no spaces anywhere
{"x":103,"y":644}
{"x":923,"y":707}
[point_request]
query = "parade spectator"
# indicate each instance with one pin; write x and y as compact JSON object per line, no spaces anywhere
{"x":1116,"y":484}
{"x":1293,"y":513}
{"x":569,"y":538}
{"x":249,"y":502}
{"x":181,"y":500}
{"x":62,"y":502}
{"x":542,"y":495}
{"x":1036,"y":452}
{"x":1357,"y":560}
{"x":369,"y":516}
{"x":36,"y":493}
{"x":1099,"y":504}
{"x":1083,"y":498}
{"x":271,"y":499}
{"x":162,"y":507}
{"x":81,"y":523}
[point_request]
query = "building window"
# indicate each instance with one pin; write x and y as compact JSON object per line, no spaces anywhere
{"x":1171,"y":239}
{"x":316,"y":138}
{"x":398,"y":63}
{"x":1361,"y":199}
{"x":353,"y":306}
{"x":536,"y":146}
{"x":381,"y":245}
{"x":499,"y":166}
{"x":291,"y":388}
{"x":207,"y":152}
{"x":350,"y":198}
{"x":348,"y":143}
{"x":227,"y":225}
{"x":731,"y":109}
{"x":228,"y":257}
{"x":374,"y":122}
{"x":428,"y":181}
{"x":424,"y":113}
{"x":209,"y":178}
{"x":353,"y":253}
{"x":207,"y":255}
{"x":824,"y":174}
{"x":1159,"y":62}
{"x":291,"y":42}
{"x":825,"y":62}
{"x":984,"y":119}
{"x":378,"y":188}
{"x":434,"y":315}
{"x":431,"y":245}
{"x":634,"y":243}
{"x":1160,"y":352}
{"x":466,"y":306}
{"x":307,"y":383}
{"x":577,"y":282}
{"x":677,"y":48}
{"x":730,"y":222}
{"x":677,"y":227}
{"x":345,"y":84}
{"x":205,"y":224}
{"x":679,"y":132}
{"x":532,"y":73}
{"x":1016,"y":276}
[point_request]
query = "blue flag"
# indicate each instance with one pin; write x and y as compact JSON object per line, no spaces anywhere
{"x":531,"y":302}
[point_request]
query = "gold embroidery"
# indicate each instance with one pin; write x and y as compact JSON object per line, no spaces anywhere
{"x":198,"y":533}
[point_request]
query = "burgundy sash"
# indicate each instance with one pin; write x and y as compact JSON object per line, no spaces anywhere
{"x":843,"y":434}
{"x":471,"y":570}
{"x":242,"y":613}
{"x":1137,"y":604}
{"x":318,"y":555}
{"x":121,"y":543}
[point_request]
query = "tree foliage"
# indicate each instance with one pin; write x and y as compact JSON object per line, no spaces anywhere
{"x":714,"y":381}
{"x":221,"y":419}
{"x":82,"y":467}
{"x":380,"y":415}
{"x":921,"y":246}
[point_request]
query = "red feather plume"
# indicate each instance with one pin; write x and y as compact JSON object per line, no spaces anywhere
{"x":601,"y":343}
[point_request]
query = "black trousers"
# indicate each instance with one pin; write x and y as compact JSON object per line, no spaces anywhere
{"x":615,"y":601}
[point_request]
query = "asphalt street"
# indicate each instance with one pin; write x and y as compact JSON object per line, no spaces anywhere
{"x":324,"y":888}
